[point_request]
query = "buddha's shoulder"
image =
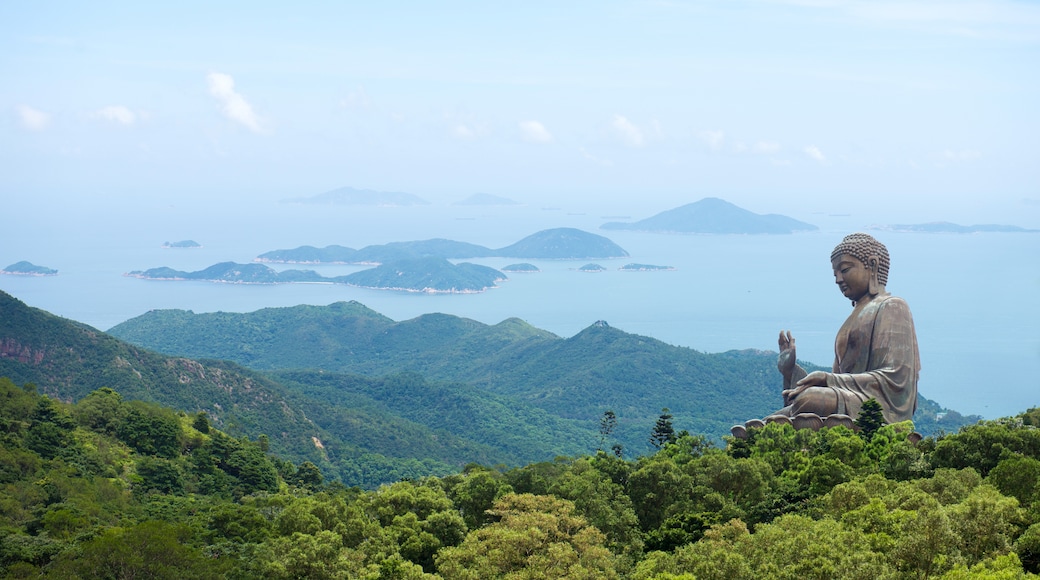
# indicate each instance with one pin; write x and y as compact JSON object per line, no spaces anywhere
{"x":891,"y":302}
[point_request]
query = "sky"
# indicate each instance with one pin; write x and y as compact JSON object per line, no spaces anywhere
{"x":922,"y":109}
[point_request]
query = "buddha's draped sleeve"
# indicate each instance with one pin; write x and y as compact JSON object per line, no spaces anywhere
{"x":881,"y":359}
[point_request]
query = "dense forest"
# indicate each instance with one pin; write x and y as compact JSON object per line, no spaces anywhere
{"x":114,"y":488}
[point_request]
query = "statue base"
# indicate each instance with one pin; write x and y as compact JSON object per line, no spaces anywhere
{"x":799,"y":421}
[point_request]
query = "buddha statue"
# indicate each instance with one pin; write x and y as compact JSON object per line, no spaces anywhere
{"x":875,"y":351}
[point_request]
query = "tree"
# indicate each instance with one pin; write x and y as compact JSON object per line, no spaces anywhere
{"x":870,"y":418}
{"x":201,"y":422}
{"x":537,"y":537}
{"x":308,"y":475}
{"x":663,"y":432}
{"x":50,"y":429}
{"x":102,"y":410}
{"x":607,"y":424}
{"x":147,"y":550}
{"x":151,"y":429}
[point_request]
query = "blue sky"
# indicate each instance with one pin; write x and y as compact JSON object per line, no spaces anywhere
{"x":778,"y":106}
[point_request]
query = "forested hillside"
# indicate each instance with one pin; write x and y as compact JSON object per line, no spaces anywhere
{"x":599,"y":369}
{"x":111,"y":488}
{"x":356,"y":432}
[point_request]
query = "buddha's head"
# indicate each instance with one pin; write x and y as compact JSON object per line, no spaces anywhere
{"x":860,"y":250}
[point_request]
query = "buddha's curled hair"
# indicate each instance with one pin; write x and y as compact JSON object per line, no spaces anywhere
{"x":863,"y":247}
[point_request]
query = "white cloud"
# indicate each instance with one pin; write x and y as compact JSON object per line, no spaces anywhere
{"x":535,"y":132}
{"x":628,"y":132}
{"x":814,"y":153}
{"x":33,"y":119}
{"x":116,"y":114}
{"x":463,"y":132}
{"x":233,"y":105}
{"x":469,"y":131}
{"x":358,"y":99}
{"x":594,"y":159}
{"x":766,"y":147}
{"x":714,"y":139}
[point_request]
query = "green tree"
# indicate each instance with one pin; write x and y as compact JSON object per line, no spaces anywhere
{"x":1018,"y":477}
{"x":160,"y":475}
{"x":102,"y":410}
{"x":308,"y":475}
{"x":607,"y":424}
{"x":870,"y":418}
{"x":1027,"y":546}
{"x":536,"y":537}
{"x":475,"y":492}
{"x":50,"y":429}
{"x":201,"y":422}
{"x":663,"y":432}
{"x":151,"y":429}
{"x":147,"y":550}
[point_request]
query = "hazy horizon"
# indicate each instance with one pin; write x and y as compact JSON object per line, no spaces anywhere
{"x":923,"y":109}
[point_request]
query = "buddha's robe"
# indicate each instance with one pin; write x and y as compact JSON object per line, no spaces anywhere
{"x":876,"y":356}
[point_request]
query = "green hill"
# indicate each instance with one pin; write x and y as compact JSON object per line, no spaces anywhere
{"x":24,"y":268}
{"x":231,"y":272}
{"x":553,"y":244}
{"x":579,"y":378}
{"x":712,"y":215}
{"x":365,"y":439}
{"x":427,"y":274}
{"x":563,"y":244}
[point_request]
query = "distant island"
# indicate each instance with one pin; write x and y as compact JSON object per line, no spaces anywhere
{"x":429,"y":274}
{"x":24,"y":268}
{"x":644,"y":268}
{"x":552,"y":244}
{"x":592,"y":268}
{"x":231,"y":273}
{"x":952,"y":228}
{"x":182,"y":244}
{"x":712,"y":215}
{"x":351,"y":196}
{"x":521,"y":268}
{"x":486,"y":199}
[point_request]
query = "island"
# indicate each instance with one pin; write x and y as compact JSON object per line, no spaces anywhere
{"x":351,"y":196}
{"x":712,"y":215}
{"x":644,"y":268}
{"x":486,"y":199}
{"x":429,"y":275}
{"x":552,"y":244}
{"x":521,"y":268}
{"x":231,"y":273}
{"x":952,"y":228}
{"x":24,"y":268}
{"x":182,"y":244}
{"x":592,"y":268}
{"x":310,"y":255}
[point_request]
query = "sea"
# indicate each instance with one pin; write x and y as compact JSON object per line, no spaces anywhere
{"x":974,"y":297}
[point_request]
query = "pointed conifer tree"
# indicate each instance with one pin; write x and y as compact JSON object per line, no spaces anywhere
{"x":870,"y":418}
{"x":663,"y":432}
{"x":606,"y":427}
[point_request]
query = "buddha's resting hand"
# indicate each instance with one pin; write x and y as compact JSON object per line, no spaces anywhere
{"x":813,"y":379}
{"x":786,"y":361}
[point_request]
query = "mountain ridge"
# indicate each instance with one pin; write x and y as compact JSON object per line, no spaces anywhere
{"x":713,"y":215}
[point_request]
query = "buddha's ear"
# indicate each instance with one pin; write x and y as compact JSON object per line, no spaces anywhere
{"x":874,"y":287}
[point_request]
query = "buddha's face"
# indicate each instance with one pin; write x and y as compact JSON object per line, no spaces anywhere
{"x":851,"y":276}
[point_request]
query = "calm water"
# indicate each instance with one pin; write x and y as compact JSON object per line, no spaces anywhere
{"x":974,"y":297}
